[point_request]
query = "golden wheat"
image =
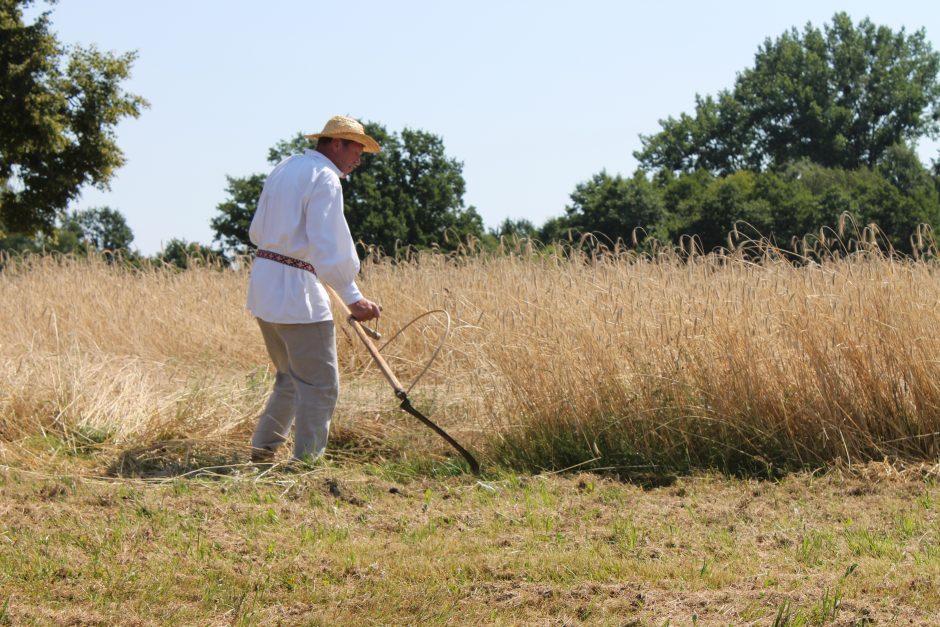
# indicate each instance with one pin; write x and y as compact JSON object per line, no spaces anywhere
{"x":552,"y":360}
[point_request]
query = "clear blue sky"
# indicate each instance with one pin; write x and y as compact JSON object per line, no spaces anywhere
{"x":532,"y":97}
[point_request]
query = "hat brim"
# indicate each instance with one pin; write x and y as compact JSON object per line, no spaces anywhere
{"x":368,"y":144}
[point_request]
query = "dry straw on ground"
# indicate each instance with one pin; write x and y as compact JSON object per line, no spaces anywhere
{"x":646,"y":364}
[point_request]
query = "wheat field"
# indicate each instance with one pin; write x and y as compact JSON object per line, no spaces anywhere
{"x":619,"y":361}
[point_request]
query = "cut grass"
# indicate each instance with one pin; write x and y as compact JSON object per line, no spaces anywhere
{"x":346,"y":543}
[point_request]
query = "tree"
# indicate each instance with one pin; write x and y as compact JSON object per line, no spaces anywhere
{"x":824,"y":123}
{"x":555,"y":229}
{"x":730,"y":200}
{"x":58,"y":111}
{"x":231,"y":226}
{"x":799,"y":199}
{"x":409,"y":194}
{"x":714,"y":139}
{"x":103,"y":229}
{"x":521,"y":229}
{"x":182,"y":254}
{"x":840,"y":97}
{"x":615,"y":206}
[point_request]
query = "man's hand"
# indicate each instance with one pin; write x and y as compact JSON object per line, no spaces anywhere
{"x":363,"y":310}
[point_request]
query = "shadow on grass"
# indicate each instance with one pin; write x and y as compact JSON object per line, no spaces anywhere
{"x":362,"y":446}
{"x":179,"y":457}
{"x":629,"y":458}
{"x":399,"y":458}
{"x":193,"y":457}
{"x":188,"y":457}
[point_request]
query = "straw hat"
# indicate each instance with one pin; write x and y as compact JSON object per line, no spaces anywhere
{"x":342,"y":127}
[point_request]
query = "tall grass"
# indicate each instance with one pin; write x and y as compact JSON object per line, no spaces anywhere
{"x":96,"y":347}
{"x":643,"y":363}
{"x":708,"y":363}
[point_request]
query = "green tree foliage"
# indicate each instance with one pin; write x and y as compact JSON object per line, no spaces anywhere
{"x":555,"y":229}
{"x":840,"y":97}
{"x":897,"y":195}
{"x":103,"y":229}
{"x":409,"y":194}
{"x":785,"y":204}
{"x":183,"y":254}
{"x":58,"y":111}
{"x":520,"y":229}
{"x":614,"y":206}
{"x":100,"y":230}
{"x":798,"y":200}
{"x":231,"y":225}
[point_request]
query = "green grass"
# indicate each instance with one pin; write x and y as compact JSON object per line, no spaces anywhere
{"x":346,"y":543}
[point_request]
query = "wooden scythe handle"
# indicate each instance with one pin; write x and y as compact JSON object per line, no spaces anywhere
{"x":364,"y":336}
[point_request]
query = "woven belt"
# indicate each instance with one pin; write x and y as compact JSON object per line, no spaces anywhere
{"x":284,"y":259}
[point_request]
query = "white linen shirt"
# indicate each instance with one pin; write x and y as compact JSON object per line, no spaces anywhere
{"x":300,"y":214}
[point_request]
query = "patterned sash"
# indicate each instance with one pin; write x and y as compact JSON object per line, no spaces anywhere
{"x":284,"y":259}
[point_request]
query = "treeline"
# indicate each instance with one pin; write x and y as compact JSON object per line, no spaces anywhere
{"x":786,"y":204}
{"x":104,"y":231}
{"x":821,"y":132}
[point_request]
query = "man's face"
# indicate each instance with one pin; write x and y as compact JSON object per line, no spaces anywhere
{"x":345,"y":155}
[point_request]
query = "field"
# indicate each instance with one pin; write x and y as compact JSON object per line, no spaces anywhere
{"x":704,"y":440}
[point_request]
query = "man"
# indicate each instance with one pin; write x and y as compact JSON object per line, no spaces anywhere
{"x":303,"y":241}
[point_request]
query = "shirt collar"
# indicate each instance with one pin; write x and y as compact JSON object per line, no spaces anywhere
{"x":310,"y":152}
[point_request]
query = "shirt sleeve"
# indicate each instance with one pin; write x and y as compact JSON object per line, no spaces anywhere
{"x":332,"y":249}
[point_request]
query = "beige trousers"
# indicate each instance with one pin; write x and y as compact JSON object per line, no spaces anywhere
{"x":305,"y":387}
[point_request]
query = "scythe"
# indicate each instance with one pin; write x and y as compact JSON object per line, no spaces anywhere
{"x":364,"y":335}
